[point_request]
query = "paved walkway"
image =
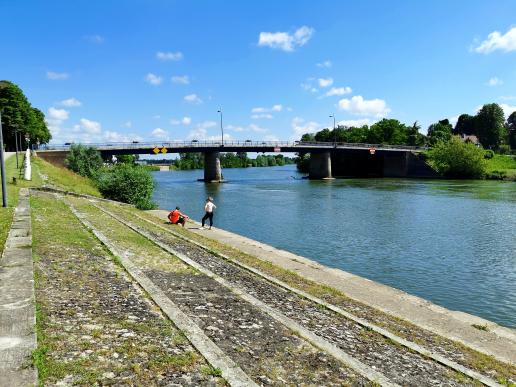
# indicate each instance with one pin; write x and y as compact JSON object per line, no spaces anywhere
{"x":17,"y":312}
{"x":498,"y":341}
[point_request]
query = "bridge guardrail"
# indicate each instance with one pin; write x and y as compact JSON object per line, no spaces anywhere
{"x":243,"y":144}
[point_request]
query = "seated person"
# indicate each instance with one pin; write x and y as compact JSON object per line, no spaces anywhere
{"x":176,"y":217}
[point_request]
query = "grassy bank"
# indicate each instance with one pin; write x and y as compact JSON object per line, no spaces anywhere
{"x":501,"y":167}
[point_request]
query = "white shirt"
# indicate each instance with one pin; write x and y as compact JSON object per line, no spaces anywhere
{"x":209,"y":207}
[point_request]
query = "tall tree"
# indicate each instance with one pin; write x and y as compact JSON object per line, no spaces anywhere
{"x":511,"y":128}
{"x":18,"y":116}
{"x":465,"y":125}
{"x":489,"y":123}
{"x":388,"y":131}
{"x":441,"y":131}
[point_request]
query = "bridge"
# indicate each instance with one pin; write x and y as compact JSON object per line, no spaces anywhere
{"x":393,"y":160}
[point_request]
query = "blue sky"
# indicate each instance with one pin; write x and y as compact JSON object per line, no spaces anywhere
{"x":159,"y":70}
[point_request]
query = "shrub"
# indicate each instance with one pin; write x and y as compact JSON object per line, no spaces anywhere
{"x":128,"y":184}
{"x":489,"y":154}
{"x":86,"y":161}
{"x":458,"y":159}
{"x":504,"y":149}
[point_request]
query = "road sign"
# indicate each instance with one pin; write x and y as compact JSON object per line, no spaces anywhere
{"x":156,"y":150}
{"x":164,"y":150}
{"x":277,"y":149}
{"x":372,"y":151}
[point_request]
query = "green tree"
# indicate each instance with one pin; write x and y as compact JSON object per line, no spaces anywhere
{"x":19,"y":116}
{"x":388,"y":131}
{"x":511,"y":129}
{"x":127,"y":183}
{"x":126,"y":159}
{"x":86,"y":161}
{"x":457,"y":159}
{"x":465,"y":125}
{"x":439,"y":132}
{"x":414,"y":138}
{"x":489,"y":123}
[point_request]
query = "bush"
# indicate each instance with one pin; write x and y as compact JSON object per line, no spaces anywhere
{"x":86,"y":161}
{"x":128,"y":184}
{"x":458,"y":159}
{"x":489,"y":154}
{"x":504,"y":149}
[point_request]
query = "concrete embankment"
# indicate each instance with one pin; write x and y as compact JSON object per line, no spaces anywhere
{"x":491,"y":339}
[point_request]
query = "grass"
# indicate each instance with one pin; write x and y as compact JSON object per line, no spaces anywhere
{"x":501,"y":167}
{"x":65,"y":179}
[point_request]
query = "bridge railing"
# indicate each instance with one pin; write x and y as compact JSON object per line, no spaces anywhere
{"x":240,"y":144}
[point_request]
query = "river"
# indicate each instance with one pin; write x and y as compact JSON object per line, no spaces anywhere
{"x":451,"y":242}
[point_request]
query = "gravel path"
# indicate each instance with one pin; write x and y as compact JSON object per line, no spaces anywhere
{"x":267,"y":351}
{"x":398,"y":363}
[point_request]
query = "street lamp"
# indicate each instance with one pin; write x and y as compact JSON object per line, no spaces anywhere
{"x":221,"y":128}
{"x":16,"y":141}
{"x":334,"y":132}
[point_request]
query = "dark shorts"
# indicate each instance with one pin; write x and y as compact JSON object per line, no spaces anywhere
{"x":181,"y":220}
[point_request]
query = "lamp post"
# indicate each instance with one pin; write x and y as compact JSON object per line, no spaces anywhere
{"x":2,"y":164}
{"x":334,"y":132}
{"x":221,"y":128}
{"x":16,"y":142}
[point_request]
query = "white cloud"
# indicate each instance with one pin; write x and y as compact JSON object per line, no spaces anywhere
{"x":97,"y":39}
{"x":325,"y":82}
{"x":326,"y":64}
{"x":127,"y":124}
{"x":494,"y":81}
{"x":337,"y":91}
{"x":300,"y":127}
{"x":507,"y":109}
{"x":156,"y":116}
{"x":91,"y":127}
{"x":169,"y":56}
{"x":57,"y":114}
{"x":496,"y":41}
{"x":264,"y":112}
{"x":201,"y":132}
{"x":183,"y":80}
{"x":159,"y":133}
{"x":262,"y":115}
{"x":257,"y":129}
{"x":508,"y":97}
{"x":354,"y":123}
{"x":153,"y":79}
{"x":235,"y":128}
{"x":70,"y":102}
{"x":284,"y":40}
{"x":184,"y":121}
{"x":193,"y":99}
{"x":360,"y":106}
{"x":111,"y":136}
{"x":57,"y":76}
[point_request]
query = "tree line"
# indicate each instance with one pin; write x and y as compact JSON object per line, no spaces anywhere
{"x":21,"y":119}
{"x":488,"y":125}
{"x":188,"y":161}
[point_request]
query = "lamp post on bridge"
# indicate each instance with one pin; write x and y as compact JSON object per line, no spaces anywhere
{"x":221,"y":128}
{"x":334,"y":132}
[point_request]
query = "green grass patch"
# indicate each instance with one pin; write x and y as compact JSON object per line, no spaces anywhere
{"x":65,"y":179}
{"x":501,"y":167}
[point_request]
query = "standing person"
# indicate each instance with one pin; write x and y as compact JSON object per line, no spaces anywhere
{"x":208,"y":208}
{"x":176,"y":217}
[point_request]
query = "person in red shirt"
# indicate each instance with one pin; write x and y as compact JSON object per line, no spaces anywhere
{"x":176,"y":217}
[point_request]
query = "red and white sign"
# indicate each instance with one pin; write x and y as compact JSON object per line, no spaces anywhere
{"x":277,"y":149}
{"x":372,"y":151}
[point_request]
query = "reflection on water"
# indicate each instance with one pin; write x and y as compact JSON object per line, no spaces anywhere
{"x":452,"y":242}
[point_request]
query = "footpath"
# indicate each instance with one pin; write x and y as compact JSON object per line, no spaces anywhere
{"x":495,"y":340}
{"x":17,"y":301}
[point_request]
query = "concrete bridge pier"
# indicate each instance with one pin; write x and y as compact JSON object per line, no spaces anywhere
{"x":320,"y":166}
{"x":212,"y":169}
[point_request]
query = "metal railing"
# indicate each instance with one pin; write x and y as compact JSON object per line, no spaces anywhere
{"x":242,"y":144}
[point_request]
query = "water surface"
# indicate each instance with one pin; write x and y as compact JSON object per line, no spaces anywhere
{"x":451,"y":242}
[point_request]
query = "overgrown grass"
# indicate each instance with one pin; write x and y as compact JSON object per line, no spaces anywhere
{"x":65,"y":179}
{"x":501,"y":167}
